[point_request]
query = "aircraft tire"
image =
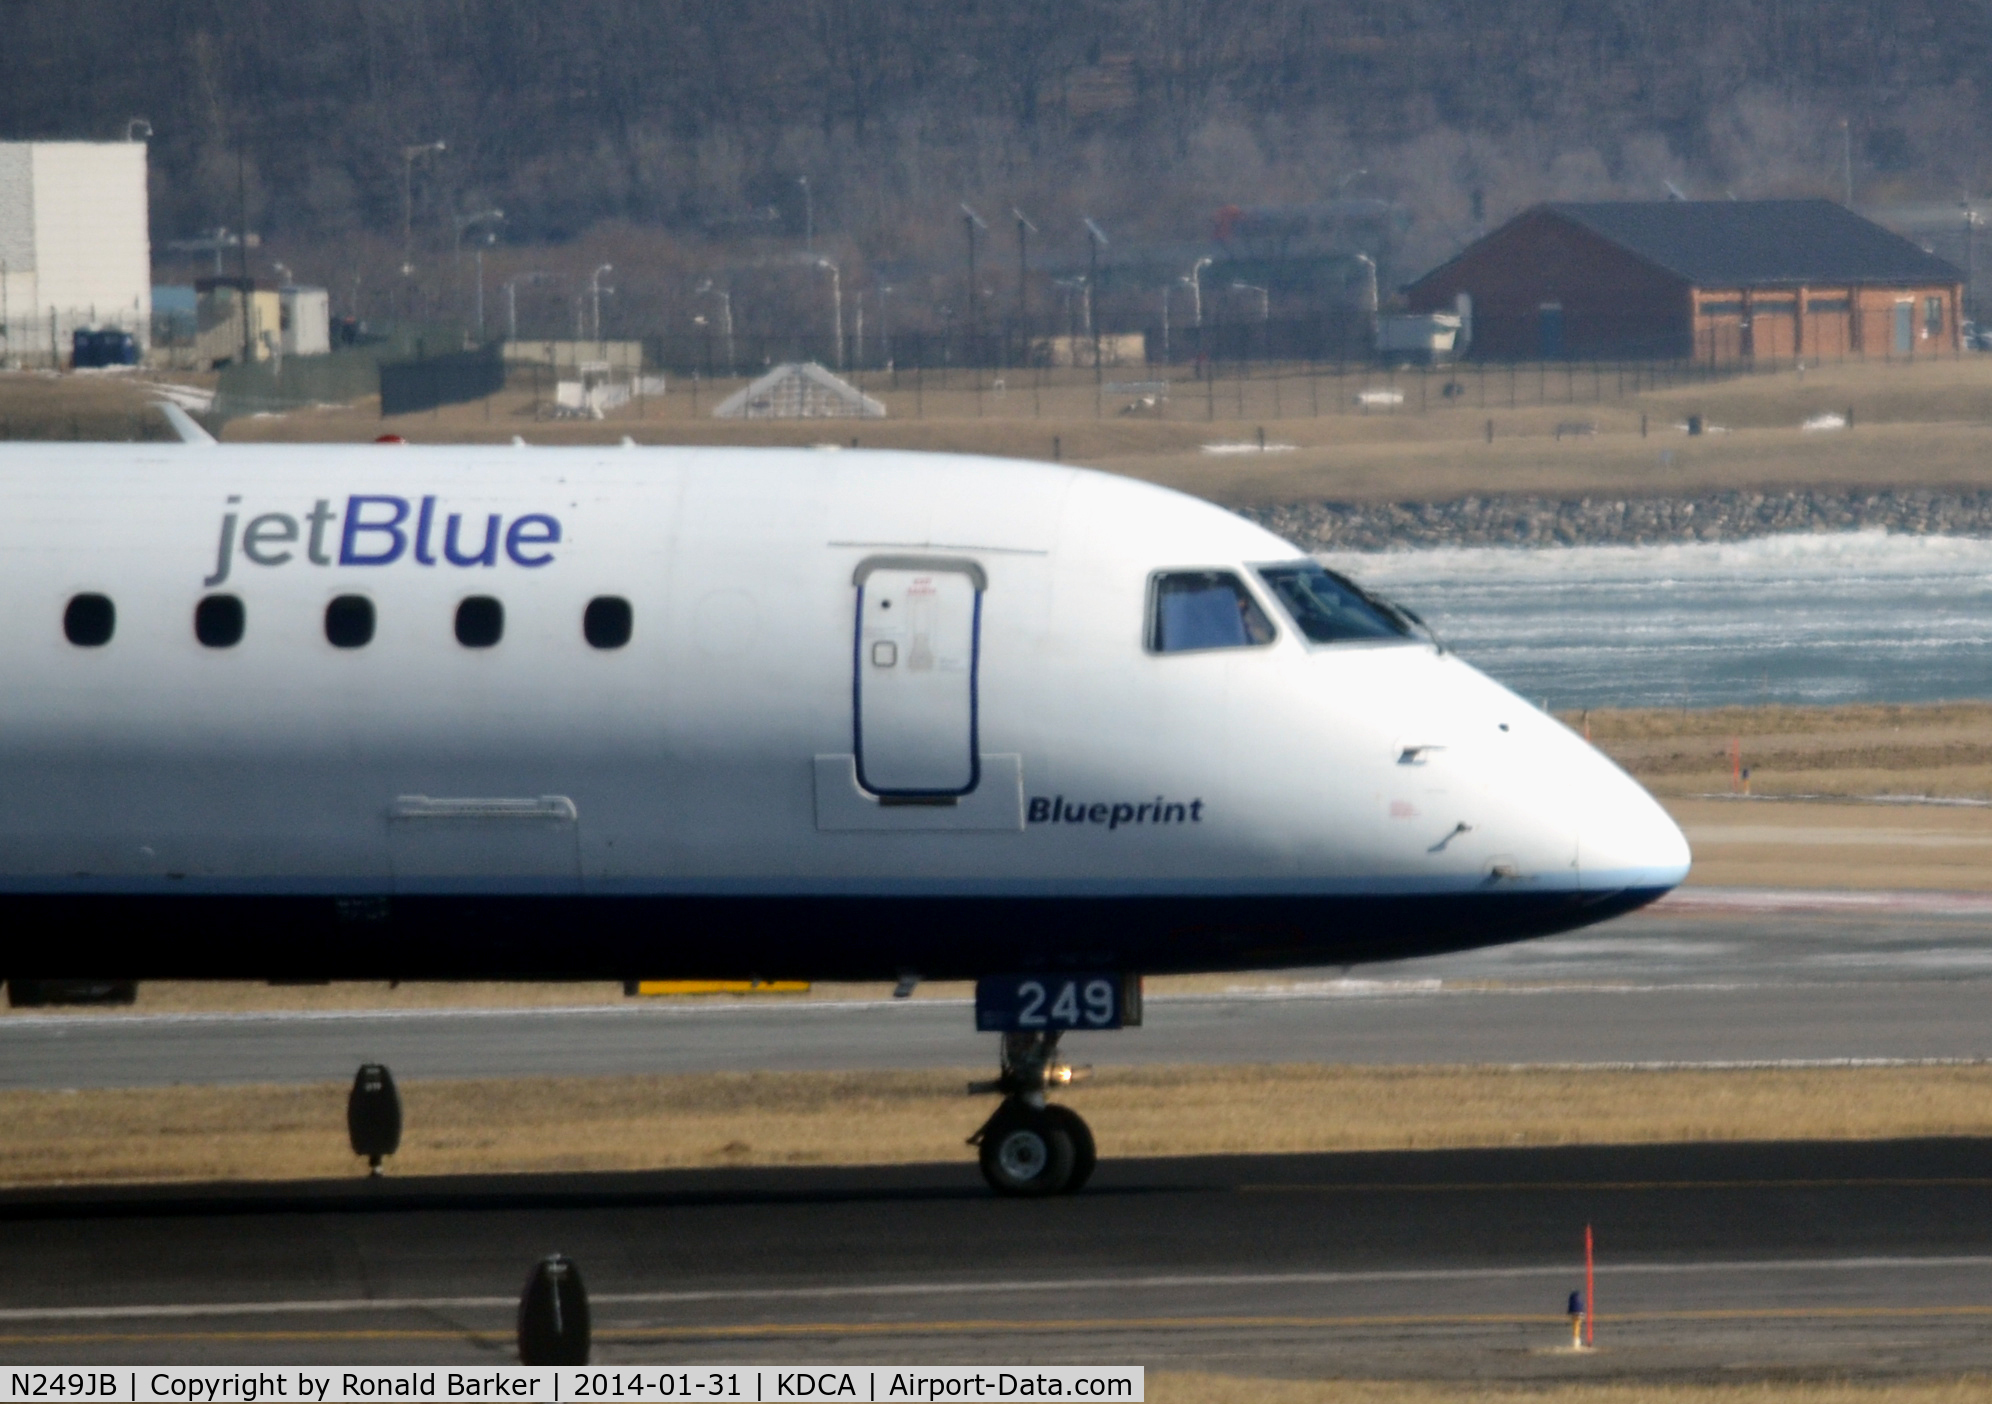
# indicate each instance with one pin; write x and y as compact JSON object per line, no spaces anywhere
{"x":1085,"y":1155}
{"x":1026,"y":1152}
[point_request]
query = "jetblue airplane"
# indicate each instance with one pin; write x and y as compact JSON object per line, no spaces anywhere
{"x":326,"y":712}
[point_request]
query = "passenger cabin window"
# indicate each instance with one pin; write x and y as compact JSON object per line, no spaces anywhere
{"x":480,"y":622}
{"x":607,"y":621}
{"x":1329,"y":608}
{"x":89,"y":621}
{"x":1198,"y":609}
{"x":219,"y":621}
{"x":349,"y":621}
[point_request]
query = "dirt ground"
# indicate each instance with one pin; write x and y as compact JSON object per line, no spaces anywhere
{"x":623,"y":1123}
{"x":91,"y":406}
{"x":1567,"y":431}
{"x":1845,"y":797}
{"x":1923,"y":424}
{"x":1941,"y":750}
{"x":1850,"y":797}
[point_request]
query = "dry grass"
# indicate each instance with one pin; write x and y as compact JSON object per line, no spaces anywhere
{"x":631,"y":1123}
{"x":1921,"y":424}
{"x":1169,"y":1387}
{"x":1942,"y":750}
{"x":35,"y":405}
{"x":1672,"y":723}
{"x":1916,"y":424}
{"x":1797,"y":844}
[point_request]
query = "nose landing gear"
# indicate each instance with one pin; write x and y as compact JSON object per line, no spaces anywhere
{"x":1028,"y":1147}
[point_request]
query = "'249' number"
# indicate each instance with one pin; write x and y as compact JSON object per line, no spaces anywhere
{"x":1065,"y":1011}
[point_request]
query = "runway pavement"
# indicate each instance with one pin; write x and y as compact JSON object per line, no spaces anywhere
{"x":1869,"y":1259}
{"x":1717,"y":1261}
{"x":1707,"y":977}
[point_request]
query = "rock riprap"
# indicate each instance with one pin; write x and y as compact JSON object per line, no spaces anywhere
{"x":1622,"y":521}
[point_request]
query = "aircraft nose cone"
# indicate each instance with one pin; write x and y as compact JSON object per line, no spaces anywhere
{"x":1626,"y":840}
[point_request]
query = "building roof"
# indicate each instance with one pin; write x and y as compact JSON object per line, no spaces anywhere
{"x":1742,"y":243}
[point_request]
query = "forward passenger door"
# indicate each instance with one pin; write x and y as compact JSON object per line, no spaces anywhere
{"x":915,"y":660}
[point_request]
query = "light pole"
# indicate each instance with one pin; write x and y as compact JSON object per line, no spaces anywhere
{"x":464,"y":224}
{"x":1024,"y":231}
{"x":1165,"y":323}
{"x":512,"y":300}
{"x":1195,"y":279}
{"x":970,"y":222}
{"x":1265,"y":314}
{"x":836,"y":306}
{"x":1369,"y":295}
{"x":1847,"y":158}
{"x":1971,"y":219}
{"x":885,"y":325}
{"x":1096,"y":240}
{"x":808,"y":215}
{"x":1072,"y":288}
{"x":409,"y":155}
{"x":595,"y":292}
{"x":706,"y":289}
{"x":483,"y":243}
{"x":284,"y":273}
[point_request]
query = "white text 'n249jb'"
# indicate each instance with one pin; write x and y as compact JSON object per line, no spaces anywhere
{"x":322,"y":712}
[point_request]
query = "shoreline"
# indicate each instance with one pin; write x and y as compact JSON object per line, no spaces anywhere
{"x":1534,"y":520}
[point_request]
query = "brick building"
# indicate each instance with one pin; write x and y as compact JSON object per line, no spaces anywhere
{"x":1717,"y":280}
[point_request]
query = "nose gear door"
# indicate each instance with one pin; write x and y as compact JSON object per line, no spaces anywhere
{"x":915,"y":663}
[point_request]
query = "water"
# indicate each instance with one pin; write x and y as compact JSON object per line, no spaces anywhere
{"x":1855,"y":617}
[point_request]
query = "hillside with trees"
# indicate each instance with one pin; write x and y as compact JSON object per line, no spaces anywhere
{"x":680,"y":139}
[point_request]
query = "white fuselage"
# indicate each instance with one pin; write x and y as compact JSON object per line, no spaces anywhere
{"x":717,"y":755}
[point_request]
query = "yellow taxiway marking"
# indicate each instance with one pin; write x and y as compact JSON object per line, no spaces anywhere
{"x":1011,"y":1326}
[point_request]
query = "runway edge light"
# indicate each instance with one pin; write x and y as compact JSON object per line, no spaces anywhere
{"x":373,"y":1115}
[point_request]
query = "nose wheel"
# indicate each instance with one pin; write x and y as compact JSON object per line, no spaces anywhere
{"x":1028,"y":1147}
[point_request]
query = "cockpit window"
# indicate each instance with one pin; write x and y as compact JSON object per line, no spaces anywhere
{"x":1329,"y":608}
{"x":1194,"y":609}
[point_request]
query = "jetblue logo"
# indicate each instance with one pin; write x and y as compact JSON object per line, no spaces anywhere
{"x":380,"y":530}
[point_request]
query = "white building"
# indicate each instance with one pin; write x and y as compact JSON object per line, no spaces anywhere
{"x":74,"y":251}
{"x":306,"y":320}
